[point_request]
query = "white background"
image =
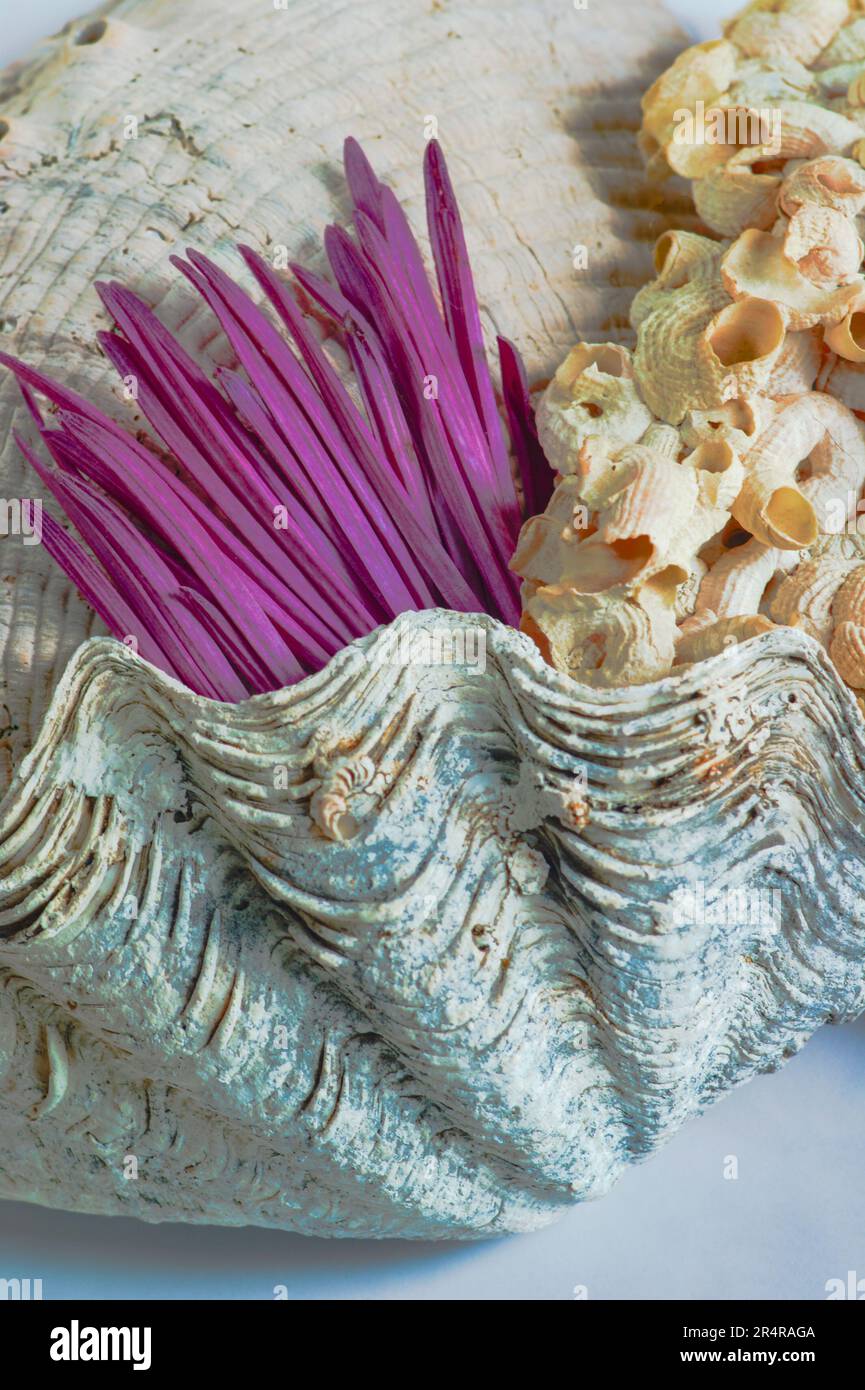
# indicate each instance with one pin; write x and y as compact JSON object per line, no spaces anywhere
{"x":673,"y":1228}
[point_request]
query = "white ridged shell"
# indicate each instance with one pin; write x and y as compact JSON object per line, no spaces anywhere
{"x":491,"y":1004}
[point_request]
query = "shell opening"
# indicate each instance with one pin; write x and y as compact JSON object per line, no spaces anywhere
{"x":768,"y":166}
{"x":665,"y":250}
{"x":734,"y":535}
{"x":856,"y":328}
{"x":666,"y":582}
{"x":607,"y":357}
{"x":713,"y":456}
{"x":790,"y":516}
{"x":746,"y":331}
{"x":741,"y":416}
{"x":607,"y":360}
{"x":599,"y":566}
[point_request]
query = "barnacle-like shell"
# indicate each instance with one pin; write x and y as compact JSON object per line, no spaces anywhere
{"x":823,"y":244}
{"x":846,"y":46}
{"x":733,"y":196}
{"x":739,"y":421}
{"x":761,"y":83}
{"x":829,"y":181}
{"x":792,"y":130}
{"x":696,"y":349}
{"x":778,"y":28}
{"x":797,"y":365}
{"x":847,"y":338}
{"x":847,"y":646}
{"x":547,"y":550}
{"x":808,"y":129}
{"x":603,"y":607}
{"x":836,"y":464}
{"x":843,"y":379}
{"x":775,"y":507}
{"x":757,"y":265}
{"x":695,"y":152}
{"x":736,"y":582}
{"x":643,"y":494}
{"x":701,"y":73}
{"x":606,"y":638}
{"x":687,"y":592}
{"x":680,"y":258}
{"x":593,"y":392}
{"x":806,"y":597}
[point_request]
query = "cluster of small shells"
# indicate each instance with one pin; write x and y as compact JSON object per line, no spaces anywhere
{"x":710,"y":481}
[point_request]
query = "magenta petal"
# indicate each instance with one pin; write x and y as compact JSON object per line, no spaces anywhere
{"x":288,"y":519}
{"x":536,"y":474}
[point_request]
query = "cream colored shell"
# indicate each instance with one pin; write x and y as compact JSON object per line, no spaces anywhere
{"x":629,"y":575}
{"x":700,"y":643}
{"x":592,"y":392}
{"x":735,"y":584}
{"x":780,"y":28}
{"x":760,"y":265}
{"x":732,"y":197}
{"x":796,"y":367}
{"x":757,"y":340}
{"x":829,"y":181}
{"x":847,"y":644}
{"x":739,"y":421}
{"x":808,"y":598}
{"x":696,"y":347}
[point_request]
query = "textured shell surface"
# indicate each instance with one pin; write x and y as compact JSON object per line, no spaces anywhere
{"x":438,"y":941}
{"x":141,"y":129}
{"x":564,"y":921}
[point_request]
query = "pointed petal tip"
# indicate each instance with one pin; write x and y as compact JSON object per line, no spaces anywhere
{"x":198,"y":258}
{"x":434,"y":157}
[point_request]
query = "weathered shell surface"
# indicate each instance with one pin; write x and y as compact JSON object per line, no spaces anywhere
{"x":355,"y":861}
{"x":523,"y":970}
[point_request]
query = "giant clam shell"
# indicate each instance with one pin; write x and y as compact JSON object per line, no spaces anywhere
{"x":431,"y":944}
{"x":419,"y":947}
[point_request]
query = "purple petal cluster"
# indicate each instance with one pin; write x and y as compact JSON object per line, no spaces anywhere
{"x":276,"y":520}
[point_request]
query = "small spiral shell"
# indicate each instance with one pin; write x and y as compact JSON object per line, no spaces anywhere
{"x":329,"y":805}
